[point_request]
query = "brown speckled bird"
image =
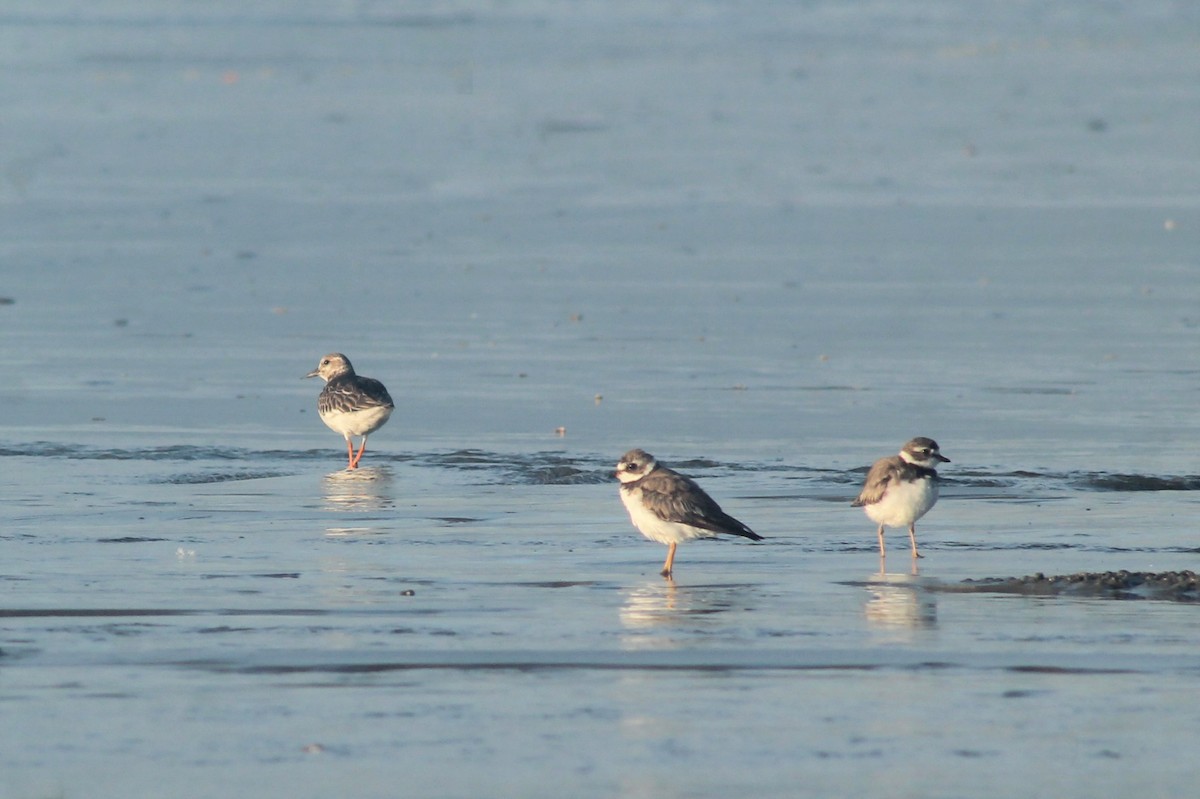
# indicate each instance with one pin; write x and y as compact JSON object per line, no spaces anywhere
{"x":351,"y":404}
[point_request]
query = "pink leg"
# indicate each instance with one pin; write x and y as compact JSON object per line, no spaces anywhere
{"x":912,"y":536}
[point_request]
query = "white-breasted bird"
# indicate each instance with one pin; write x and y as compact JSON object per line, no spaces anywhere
{"x":668,"y":507}
{"x":900,"y":489}
{"x":351,"y":404}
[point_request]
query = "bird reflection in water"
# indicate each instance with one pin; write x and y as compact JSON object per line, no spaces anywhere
{"x":664,"y":607}
{"x":899,"y":603}
{"x":365,"y":488}
{"x":651,"y":605}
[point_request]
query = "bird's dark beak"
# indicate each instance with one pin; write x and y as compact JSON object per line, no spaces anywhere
{"x":942,"y":458}
{"x":313,"y":373}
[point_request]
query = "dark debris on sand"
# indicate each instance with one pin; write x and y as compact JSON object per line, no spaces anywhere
{"x":1180,"y":586}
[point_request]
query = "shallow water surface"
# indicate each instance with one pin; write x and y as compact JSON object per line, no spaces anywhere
{"x":767,"y":247}
{"x":223,"y":617}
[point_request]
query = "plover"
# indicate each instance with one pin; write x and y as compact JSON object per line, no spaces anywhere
{"x":902,"y":488}
{"x":669,"y":508}
{"x":350,"y":404}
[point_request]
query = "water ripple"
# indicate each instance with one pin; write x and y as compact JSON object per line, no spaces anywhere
{"x":557,"y":468}
{"x":201,"y":478}
{"x":1098,"y":481}
{"x":539,"y":468}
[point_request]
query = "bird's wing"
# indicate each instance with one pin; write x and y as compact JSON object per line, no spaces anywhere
{"x":672,"y":497}
{"x":881,"y":474}
{"x":353,"y":395}
{"x":372,"y":388}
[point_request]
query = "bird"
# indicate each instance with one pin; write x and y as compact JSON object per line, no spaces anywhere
{"x":350,"y":404}
{"x":900,"y":489}
{"x":667,"y":507}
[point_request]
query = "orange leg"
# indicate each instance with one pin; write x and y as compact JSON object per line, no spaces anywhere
{"x":349,"y":453}
{"x":355,"y":456}
{"x":354,"y":461}
{"x":666,"y":569}
{"x":912,"y":536}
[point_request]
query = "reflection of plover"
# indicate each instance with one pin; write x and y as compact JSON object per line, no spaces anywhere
{"x":669,"y":508}
{"x":902,"y":488}
{"x":350,"y":404}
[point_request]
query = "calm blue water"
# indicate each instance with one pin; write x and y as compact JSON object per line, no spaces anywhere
{"x":768,"y":247}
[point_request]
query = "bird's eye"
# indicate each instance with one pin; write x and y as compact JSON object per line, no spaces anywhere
{"x":631,"y":467}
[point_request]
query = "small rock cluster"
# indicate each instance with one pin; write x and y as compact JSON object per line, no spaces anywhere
{"x":1177,"y":585}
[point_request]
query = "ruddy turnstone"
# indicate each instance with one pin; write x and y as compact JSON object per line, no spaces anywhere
{"x":350,"y":404}
{"x":669,"y":508}
{"x":902,"y":488}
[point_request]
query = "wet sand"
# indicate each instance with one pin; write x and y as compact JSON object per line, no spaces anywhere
{"x":470,"y":622}
{"x":766,"y":247}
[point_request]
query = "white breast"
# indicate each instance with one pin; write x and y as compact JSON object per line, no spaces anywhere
{"x":656,"y":529}
{"x":357,"y":423}
{"x":904,"y":503}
